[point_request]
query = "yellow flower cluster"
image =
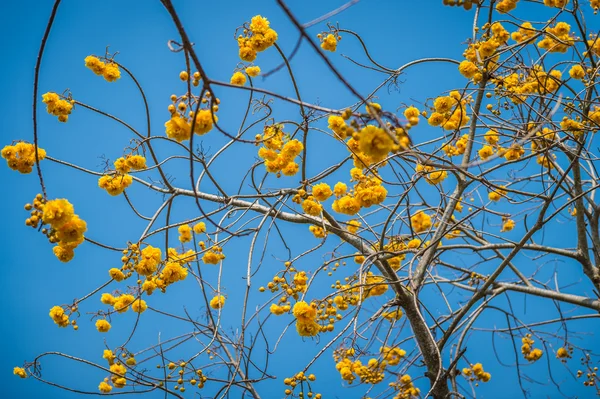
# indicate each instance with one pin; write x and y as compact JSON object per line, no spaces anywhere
{"x":300,"y":379}
{"x":213,"y":256}
{"x":450,"y":112}
{"x":317,"y":231}
{"x":420,"y":222}
{"x":556,"y":3}
{"x":279,"y":151}
{"x":329,"y":41}
{"x":392,"y":355}
{"x":115,"y":183}
{"x":20,"y":372}
{"x":375,"y":143}
{"x":338,"y":125}
{"x":305,"y":315}
{"x":476,"y":373}
{"x":125,"y":164}
{"x":405,"y":387}
{"x":252,"y":71}
{"x":564,"y":353}
{"x":57,"y":106}
{"x":110,"y":70}
{"x":504,"y":6}
{"x":526,"y":31}
{"x":185,"y":233}
{"x":67,"y":228}
{"x":102,"y":325}
{"x":577,"y":72}
{"x":217,"y":302}
{"x":432,"y":175}
{"x":480,"y":52}
{"x":179,"y":127}
{"x":497,"y":194}
{"x":238,"y":79}
{"x":21,"y":156}
{"x":466,"y":4}
{"x":557,"y":38}
{"x":371,"y":373}
{"x":58,"y":315}
{"x":528,"y":352}
{"x":518,"y":86}
{"x":258,"y":37}
{"x":507,"y":225}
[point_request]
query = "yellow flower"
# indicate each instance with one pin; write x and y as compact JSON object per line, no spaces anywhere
{"x":116,"y":274}
{"x":217,"y":302}
{"x":467,"y":69}
{"x":321,"y":191}
{"x":57,"y":212}
{"x":57,"y":314}
{"x":115,"y":184}
{"x":108,"y":299}
{"x":20,"y":372}
{"x":329,"y":43}
{"x":317,"y":231}
{"x":485,"y":152}
{"x":178,"y":128}
{"x":136,"y":162}
{"x":311,"y":207}
{"x":94,"y":64}
{"x":420,"y":222}
{"x":21,"y":156}
{"x":63,"y":253}
{"x":577,"y":72}
{"x":304,"y":312}
{"x":347,"y":205}
{"x":253,"y":71}
{"x":238,"y":79}
{"x":353,"y":226}
{"x":139,"y":306}
{"x":72,"y":231}
{"x":508,"y":225}
{"x":102,"y":325}
{"x":212,"y":257}
{"x":339,"y":189}
{"x":199,"y":227}
{"x":104,"y":387}
{"x":307,"y":329}
{"x":204,"y":121}
{"x":122,"y":303}
{"x":111,"y":72}
{"x":185,"y":233}
{"x":375,"y":142}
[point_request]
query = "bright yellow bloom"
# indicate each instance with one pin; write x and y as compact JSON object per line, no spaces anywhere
{"x":204,"y":121}
{"x":178,"y":128}
{"x":94,"y":64}
{"x":111,"y":72}
{"x":217,"y":302}
{"x":185,"y":233}
{"x":311,"y":207}
{"x":253,"y":71}
{"x":329,"y":43}
{"x":19,"y":371}
{"x":199,"y":227}
{"x":321,"y":191}
{"x":139,"y":306}
{"x":238,"y":79}
{"x":375,"y":142}
{"x":57,"y":314}
{"x":57,"y":212}
{"x":420,"y":222}
{"x":102,"y":325}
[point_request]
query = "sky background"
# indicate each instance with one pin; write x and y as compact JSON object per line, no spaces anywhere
{"x":396,"y":32}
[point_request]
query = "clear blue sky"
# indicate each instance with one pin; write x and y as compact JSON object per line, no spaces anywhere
{"x":396,"y":32}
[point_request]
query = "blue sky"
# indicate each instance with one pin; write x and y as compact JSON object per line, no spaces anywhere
{"x":395,"y":32}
